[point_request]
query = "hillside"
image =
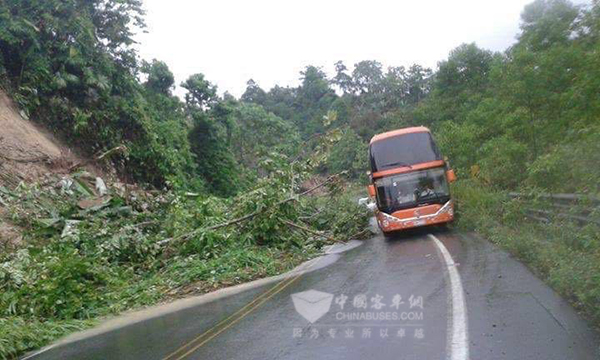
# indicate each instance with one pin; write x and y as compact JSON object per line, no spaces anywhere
{"x":27,"y":151}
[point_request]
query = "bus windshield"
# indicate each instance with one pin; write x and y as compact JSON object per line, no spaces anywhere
{"x":412,"y":189}
{"x":403,"y":150}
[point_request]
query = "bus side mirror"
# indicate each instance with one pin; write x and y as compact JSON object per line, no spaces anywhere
{"x":371,"y":190}
{"x":451,"y":175}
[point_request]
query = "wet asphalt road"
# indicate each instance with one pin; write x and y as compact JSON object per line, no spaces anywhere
{"x":509,"y":313}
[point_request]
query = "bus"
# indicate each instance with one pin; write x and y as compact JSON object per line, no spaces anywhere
{"x":409,"y":180}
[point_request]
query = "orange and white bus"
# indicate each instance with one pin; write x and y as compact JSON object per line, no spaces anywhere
{"x":409,"y":180}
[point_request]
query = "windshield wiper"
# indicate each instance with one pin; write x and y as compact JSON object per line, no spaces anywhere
{"x":400,"y":163}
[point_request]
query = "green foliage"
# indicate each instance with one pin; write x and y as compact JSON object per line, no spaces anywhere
{"x":341,"y":215}
{"x":215,"y":161}
{"x":134,"y":247}
{"x":348,"y":154}
{"x":257,"y":133}
{"x":466,"y":70}
{"x":18,"y":335}
{"x":71,"y":66}
{"x":525,"y":117}
{"x":160,"y":78}
{"x":254,"y":93}
{"x":569,"y":167}
{"x":547,"y":23}
{"x":74,"y":283}
{"x":503,"y":162}
{"x":201,"y":93}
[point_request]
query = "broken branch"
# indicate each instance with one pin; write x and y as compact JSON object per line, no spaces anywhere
{"x":249,"y":216}
{"x":303,"y":228}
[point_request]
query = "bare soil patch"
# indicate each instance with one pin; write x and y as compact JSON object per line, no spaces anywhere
{"x":28,"y":153}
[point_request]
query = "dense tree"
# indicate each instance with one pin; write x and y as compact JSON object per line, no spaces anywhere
{"x":160,"y":78}
{"x":258,"y":132}
{"x":505,"y":117}
{"x":254,"y":93}
{"x":341,"y":79}
{"x":210,"y":135}
{"x":547,"y":23}
{"x":466,"y":70}
{"x":216,"y":163}
{"x":200,"y":92}
{"x":418,"y":81}
{"x":313,"y":99}
{"x":367,"y":77}
{"x":348,"y":154}
{"x":280,"y":101}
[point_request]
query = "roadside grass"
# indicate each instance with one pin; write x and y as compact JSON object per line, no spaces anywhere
{"x":563,"y":254}
{"x":181,"y":277}
{"x":18,"y":334}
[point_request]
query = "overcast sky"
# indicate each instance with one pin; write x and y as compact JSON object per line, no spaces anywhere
{"x":231,"y":41}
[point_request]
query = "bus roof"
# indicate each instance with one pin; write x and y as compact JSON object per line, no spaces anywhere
{"x":392,"y":133}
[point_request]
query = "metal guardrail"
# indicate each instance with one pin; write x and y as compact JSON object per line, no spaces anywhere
{"x":576,"y":207}
{"x":558,"y":197}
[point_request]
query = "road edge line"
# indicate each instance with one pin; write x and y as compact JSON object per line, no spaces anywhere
{"x":457,"y":344}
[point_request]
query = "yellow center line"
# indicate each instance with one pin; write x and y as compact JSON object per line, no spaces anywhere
{"x":258,"y":301}
{"x":238,"y":319}
{"x":258,"y":298}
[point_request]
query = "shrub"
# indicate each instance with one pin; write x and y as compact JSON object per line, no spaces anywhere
{"x":503,"y":162}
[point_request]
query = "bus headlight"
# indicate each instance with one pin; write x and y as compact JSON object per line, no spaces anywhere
{"x":447,"y":209}
{"x":388,"y":219}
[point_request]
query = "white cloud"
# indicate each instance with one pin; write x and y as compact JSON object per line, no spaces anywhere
{"x":231,"y":41}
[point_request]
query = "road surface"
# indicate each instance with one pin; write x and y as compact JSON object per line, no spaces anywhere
{"x":423,"y":295}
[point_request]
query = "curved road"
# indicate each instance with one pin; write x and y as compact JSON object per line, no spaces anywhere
{"x":422,"y":295}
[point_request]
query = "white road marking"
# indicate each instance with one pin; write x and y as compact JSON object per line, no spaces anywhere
{"x":43,"y":350}
{"x":458,"y":334}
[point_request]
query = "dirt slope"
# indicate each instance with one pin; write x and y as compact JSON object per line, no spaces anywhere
{"x":27,"y":153}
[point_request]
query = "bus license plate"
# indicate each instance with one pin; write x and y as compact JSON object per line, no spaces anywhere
{"x":419,"y":222}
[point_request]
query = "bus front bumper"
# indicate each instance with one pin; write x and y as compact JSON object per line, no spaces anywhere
{"x":389,"y":223}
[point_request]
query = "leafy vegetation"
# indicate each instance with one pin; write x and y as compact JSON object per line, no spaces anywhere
{"x":90,"y":256}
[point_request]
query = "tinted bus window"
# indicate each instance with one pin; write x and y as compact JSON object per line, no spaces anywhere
{"x":412,"y":189}
{"x":403,"y":150}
